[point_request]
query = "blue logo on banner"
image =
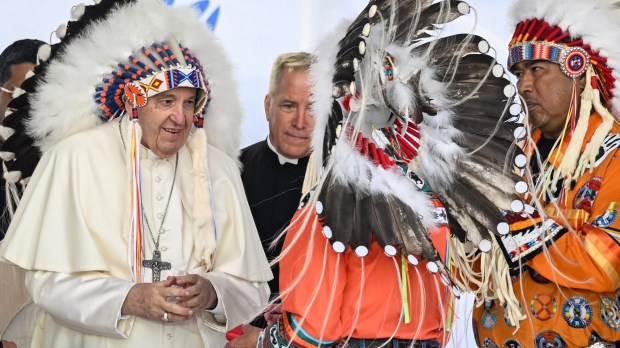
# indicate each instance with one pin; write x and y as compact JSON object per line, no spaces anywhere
{"x":202,"y":7}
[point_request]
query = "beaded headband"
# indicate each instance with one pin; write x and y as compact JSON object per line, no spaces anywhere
{"x":537,"y":39}
{"x":572,"y":60}
{"x":153,"y":71}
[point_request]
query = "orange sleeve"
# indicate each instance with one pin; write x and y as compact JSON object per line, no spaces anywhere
{"x":313,"y":272}
{"x":594,"y":266}
{"x":590,"y":258}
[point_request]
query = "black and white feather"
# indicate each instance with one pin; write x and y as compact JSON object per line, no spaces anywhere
{"x":392,"y":83}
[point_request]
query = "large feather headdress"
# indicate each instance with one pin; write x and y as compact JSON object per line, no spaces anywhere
{"x":404,"y":101}
{"x":131,"y":49}
{"x":415,"y":129}
{"x":582,"y":37}
{"x":73,"y":89}
{"x":571,"y":25}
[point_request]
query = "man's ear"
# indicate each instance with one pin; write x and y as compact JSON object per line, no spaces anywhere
{"x":267,"y":106}
{"x":126,"y":103}
{"x":581,"y":82}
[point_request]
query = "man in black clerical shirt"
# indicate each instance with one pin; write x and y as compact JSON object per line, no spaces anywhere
{"x":274,"y":169}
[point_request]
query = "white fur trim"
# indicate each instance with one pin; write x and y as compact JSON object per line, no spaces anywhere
{"x":321,"y":73}
{"x":596,"y":21}
{"x":18,"y":92}
{"x":438,"y":152}
{"x":65,"y":104}
{"x":6,"y":132}
{"x":7,"y":156}
{"x":356,"y":170}
{"x":12,"y":177}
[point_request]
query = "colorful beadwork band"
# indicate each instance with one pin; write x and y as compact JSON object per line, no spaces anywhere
{"x":163,"y":81}
{"x":149,"y":72}
{"x":572,"y":60}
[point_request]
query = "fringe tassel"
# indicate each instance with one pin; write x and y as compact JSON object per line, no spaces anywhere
{"x":567,"y":167}
{"x":493,"y":281}
{"x":203,"y":198}
{"x":311,"y":175}
{"x":12,"y":193}
{"x":461,"y":262}
{"x":497,"y":272}
{"x":136,"y":233}
{"x":404,"y":281}
{"x":589,"y":154}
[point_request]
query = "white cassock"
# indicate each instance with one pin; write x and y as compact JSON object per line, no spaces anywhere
{"x":71,"y":232}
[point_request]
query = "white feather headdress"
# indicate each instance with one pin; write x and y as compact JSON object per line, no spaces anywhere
{"x":63,"y":103}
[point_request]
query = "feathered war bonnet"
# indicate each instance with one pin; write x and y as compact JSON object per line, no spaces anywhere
{"x":130,"y":49}
{"x":583,"y":38}
{"x":415,"y":136}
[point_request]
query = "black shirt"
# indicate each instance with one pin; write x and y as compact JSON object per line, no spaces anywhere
{"x":273,"y":191}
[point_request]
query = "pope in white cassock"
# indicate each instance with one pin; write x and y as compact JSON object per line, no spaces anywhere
{"x":134,"y":228}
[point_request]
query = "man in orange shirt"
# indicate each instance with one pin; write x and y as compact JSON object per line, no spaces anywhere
{"x":565,"y":54}
{"x":400,"y":108}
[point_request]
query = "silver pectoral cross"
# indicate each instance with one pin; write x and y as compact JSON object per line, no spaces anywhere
{"x":156,"y":265}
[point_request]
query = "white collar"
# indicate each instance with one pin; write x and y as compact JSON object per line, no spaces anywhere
{"x":283,"y":159}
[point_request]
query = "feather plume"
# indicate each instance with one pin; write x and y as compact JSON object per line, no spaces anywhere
{"x":338,"y":206}
{"x":70,"y":80}
{"x":391,"y":70}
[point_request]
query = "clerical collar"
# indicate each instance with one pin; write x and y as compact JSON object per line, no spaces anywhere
{"x":283,"y":159}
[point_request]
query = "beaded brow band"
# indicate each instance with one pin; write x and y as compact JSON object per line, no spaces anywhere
{"x":572,"y":60}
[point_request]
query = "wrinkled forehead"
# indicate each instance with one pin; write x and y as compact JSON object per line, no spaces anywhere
{"x":180,"y":93}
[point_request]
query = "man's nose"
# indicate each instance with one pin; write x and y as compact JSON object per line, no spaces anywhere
{"x":525,"y":82}
{"x":177,"y":114}
{"x":300,"y":118}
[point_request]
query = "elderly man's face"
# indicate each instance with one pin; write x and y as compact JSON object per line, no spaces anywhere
{"x":18,"y":75}
{"x":288,"y":114}
{"x":166,"y":120}
{"x":547,"y":92}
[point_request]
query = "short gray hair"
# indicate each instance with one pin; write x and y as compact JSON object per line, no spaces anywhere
{"x":299,"y":61}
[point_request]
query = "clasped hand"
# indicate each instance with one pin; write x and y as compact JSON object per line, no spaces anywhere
{"x":179,"y":296}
